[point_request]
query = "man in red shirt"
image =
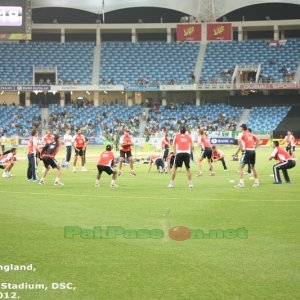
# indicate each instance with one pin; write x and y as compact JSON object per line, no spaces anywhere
{"x":126,"y":142}
{"x":158,"y":161}
{"x":182,"y":146}
{"x":48,"y":138}
{"x":105,"y":164}
{"x":285,"y":162}
{"x":79,"y":144}
{"x":248,"y":142}
{"x":48,"y":156}
{"x":165,"y":144}
{"x":290,"y":142}
{"x":7,"y":160}
{"x":206,"y":152}
{"x":217,"y":155}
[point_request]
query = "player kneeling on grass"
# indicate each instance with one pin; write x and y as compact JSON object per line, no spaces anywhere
{"x":286,"y":161}
{"x":7,"y":160}
{"x":48,"y":157}
{"x":105,"y":164}
{"x":158,"y":161}
{"x":217,"y":155}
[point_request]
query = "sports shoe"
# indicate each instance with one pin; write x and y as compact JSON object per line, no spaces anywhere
{"x":277,"y":182}
{"x":74,"y":170}
{"x":114,"y":186}
{"x":240,"y":185}
{"x":97,"y":185}
{"x":213,"y":173}
{"x":191,"y":186}
{"x":5,"y":175}
{"x":132,"y":173}
{"x":57,"y":183}
{"x":255,"y":185}
{"x":171,"y":185}
{"x":199,"y":174}
{"x":83,"y":169}
{"x":225,"y":170}
{"x":160,"y":169}
{"x":119,"y":173}
{"x":42,"y":182}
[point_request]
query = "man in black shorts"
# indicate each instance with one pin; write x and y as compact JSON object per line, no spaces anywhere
{"x":48,"y":156}
{"x":105,"y":164}
{"x":126,"y":142}
{"x":182,"y":149}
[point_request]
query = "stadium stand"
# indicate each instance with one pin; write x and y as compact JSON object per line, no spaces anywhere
{"x":267,"y":117}
{"x":94,"y":121}
{"x":278,"y":63}
{"x":74,"y":61}
{"x":147,"y":63}
{"x":209,"y":116}
{"x":19,"y":120}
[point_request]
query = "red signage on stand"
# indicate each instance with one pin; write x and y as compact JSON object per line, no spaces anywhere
{"x":188,"y":32}
{"x":219,"y":32}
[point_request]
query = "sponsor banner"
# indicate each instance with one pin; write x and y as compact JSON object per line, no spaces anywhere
{"x":178,"y":87}
{"x":216,"y":134}
{"x":99,"y":140}
{"x":10,"y":141}
{"x":91,"y":88}
{"x":141,"y":88}
{"x":15,"y":36}
{"x":222,"y":141}
{"x":7,"y":87}
{"x":283,"y":144}
{"x":268,"y":86}
{"x":139,"y":142}
{"x":188,"y":32}
{"x":264,"y":142}
{"x":33,"y":87}
{"x":155,"y":141}
{"x":219,"y":32}
{"x":23,"y":141}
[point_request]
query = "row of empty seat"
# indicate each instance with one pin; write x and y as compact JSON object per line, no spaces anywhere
{"x":159,"y":62}
{"x":226,"y":55}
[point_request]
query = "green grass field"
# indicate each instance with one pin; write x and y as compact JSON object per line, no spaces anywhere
{"x":265,"y":265}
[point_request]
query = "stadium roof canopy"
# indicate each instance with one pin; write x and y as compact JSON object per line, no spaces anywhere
{"x":189,"y":7}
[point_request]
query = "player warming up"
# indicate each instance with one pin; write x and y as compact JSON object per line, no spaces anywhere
{"x":182,"y":146}
{"x":7,"y":161}
{"x":217,"y":155}
{"x":79,"y":143}
{"x":48,"y":156}
{"x":285,"y":162}
{"x":206,"y":152}
{"x":158,"y":161}
{"x":126,"y":143}
{"x":290,"y":143}
{"x":105,"y":164}
{"x":248,"y":142}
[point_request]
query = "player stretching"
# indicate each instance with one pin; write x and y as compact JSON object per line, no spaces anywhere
{"x":7,"y":160}
{"x":248,"y":142}
{"x":217,"y":155}
{"x":182,"y":146}
{"x":206,"y":152}
{"x":285,"y":162}
{"x":79,"y":143}
{"x":105,"y":164}
{"x":48,"y":156}
{"x":290,"y":143}
{"x":126,"y":142}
